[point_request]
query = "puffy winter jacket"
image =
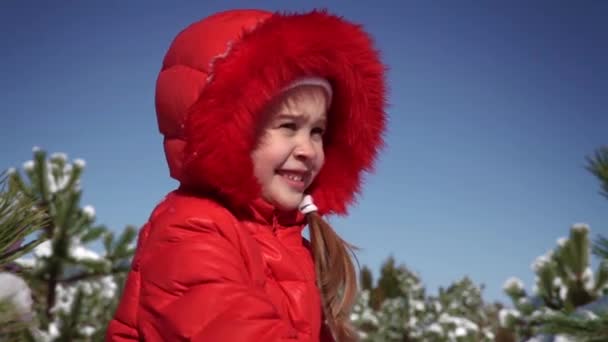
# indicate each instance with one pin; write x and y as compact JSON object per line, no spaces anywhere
{"x":204,"y":274}
{"x":215,"y":262}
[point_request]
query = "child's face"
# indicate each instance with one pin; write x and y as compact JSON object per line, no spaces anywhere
{"x":290,"y":154}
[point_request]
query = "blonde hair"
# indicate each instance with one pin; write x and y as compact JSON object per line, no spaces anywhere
{"x":335,"y":270}
{"x":304,"y":92}
{"x":336,"y":276}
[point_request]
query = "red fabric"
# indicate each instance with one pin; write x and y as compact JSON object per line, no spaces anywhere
{"x":202,"y":273}
{"x":211,"y":122}
{"x":214,"y":262}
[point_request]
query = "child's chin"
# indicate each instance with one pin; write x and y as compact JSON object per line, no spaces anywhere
{"x":288,"y":202}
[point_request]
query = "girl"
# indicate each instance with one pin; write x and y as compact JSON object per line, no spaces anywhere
{"x":269,"y":122}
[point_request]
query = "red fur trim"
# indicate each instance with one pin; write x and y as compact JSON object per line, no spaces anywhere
{"x":219,"y":128}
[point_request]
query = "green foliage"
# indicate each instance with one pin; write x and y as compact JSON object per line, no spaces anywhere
{"x":74,"y":288}
{"x":566,"y":287}
{"x":19,"y":219}
{"x":406,"y":313}
{"x":366,"y":278}
{"x":600,"y":247}
{"x":598,"y":166}
{"x":587,"y":327}
{"x":564,"y":283}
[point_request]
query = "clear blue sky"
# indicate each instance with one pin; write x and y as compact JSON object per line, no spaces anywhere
{"x":493,"y":110}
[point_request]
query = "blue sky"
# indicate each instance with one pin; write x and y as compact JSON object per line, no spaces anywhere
{"x":493,"y":109}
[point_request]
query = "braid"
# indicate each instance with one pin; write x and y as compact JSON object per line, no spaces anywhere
{"x":336,"y":276}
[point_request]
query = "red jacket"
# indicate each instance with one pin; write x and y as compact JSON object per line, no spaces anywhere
{"x":215,"y":262}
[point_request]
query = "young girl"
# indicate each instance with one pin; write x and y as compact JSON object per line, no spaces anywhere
{"x":270,"y":121}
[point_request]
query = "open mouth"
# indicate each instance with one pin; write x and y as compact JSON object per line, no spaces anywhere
{"x":295,"y":179}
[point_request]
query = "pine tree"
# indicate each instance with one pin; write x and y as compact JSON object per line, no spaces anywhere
{"x":74,"y":288}
{"x":564,"y":282}
{"x":19,"y":219}
{"x":590,"y":321}
{"x":598,"y":166}
{"x":570,"y":300}
{"x":458,"y":313}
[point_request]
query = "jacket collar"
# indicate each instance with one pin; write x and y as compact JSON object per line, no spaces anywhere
{"x":263,"y":212}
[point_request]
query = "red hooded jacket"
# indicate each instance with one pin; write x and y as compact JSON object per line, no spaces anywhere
{"x":215,"y":262}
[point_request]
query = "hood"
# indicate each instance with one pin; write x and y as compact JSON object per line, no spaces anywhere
{"x":220,"y":73}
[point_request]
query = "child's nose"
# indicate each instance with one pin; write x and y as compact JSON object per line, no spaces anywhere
{"x":305,"y":149}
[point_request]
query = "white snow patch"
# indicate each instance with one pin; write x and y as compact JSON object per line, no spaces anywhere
{"x":89,"y":211}
{"x":80,"y":163}
{"x":513,"y":282}
{"x":28,"y":165}
{"x":15,"y":290}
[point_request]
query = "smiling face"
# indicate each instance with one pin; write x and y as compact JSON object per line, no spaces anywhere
{"x":289,"y":154}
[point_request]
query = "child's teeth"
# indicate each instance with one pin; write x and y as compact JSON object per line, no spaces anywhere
{"x":295,"y":178}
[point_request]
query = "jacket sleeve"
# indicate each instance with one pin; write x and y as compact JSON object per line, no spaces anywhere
{"x":196,"y":287}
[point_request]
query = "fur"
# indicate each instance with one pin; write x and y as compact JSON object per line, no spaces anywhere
{"x":215,"y":138}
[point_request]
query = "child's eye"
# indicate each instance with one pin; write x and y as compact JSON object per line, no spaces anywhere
{"x":289,"y":125}
{"x":318,"y":131}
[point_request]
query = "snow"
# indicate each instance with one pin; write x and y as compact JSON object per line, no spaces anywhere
{"x":108,"y":287}
{"x":541,"y":261}
{"x":87,"y":330}
{"x":458,"y":321}
{"x":589,"y":281}
{"x":80,"y":163}
{"x":581,"y":227}
{"x":513,"y":282}
{"x":15,"y":290}
{"x":48,"y":335}
{"x":26,"y":262}
{"x":64,"y":298}
{"x":79,"y":252}
{"x":105,"y":286}
{"x":28,"y":165}
{"x":562,"y":241}
{"x":59,"y":156}
{"x":504,"y":314}
{"x":44,"y":249}
{"x":369,"y":316}
{"x":557,"y":282}
{"x":589,"y":314}
{"x":436,"y":328}
{"x":58,"y":182}
{"x":89,"y":211}
{"x":460,"y":332}
{"x":563,"y":292}
{"x":523,"y":301}
{"x":11,"y":171}
{"x":418,"y":305}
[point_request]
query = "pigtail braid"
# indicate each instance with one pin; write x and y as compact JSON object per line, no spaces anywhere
{"x":336,"y":276}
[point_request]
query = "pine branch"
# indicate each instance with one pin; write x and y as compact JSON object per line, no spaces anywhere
{"x":15,"y":253}
{"x":90,"y":275}
{"x":598,"y":165}
{"x":19,"y":218}
{"x":582,"y":328}
{"x":600,"y":247}
{"x":10,"y":323}
{"x":70,"y":322}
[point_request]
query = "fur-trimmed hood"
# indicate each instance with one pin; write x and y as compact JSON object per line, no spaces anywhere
{"x":219,"y":74}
